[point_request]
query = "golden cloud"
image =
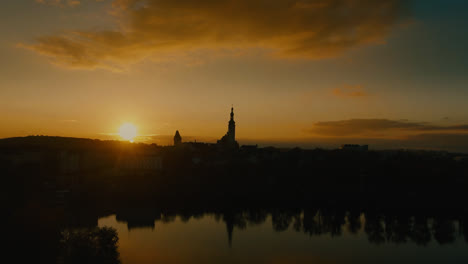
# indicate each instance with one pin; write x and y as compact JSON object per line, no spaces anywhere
{"x":307,"y":29}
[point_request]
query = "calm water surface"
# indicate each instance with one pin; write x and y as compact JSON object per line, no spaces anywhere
{"x":215,"y":239}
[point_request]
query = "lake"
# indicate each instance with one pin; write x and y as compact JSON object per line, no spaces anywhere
{"x":299,"y":236}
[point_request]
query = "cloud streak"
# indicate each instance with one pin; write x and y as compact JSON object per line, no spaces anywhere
{"x":381,"y":128}
{"x":314,"y":29}
{"x":352,"y":91}
{"x":71,"y":3}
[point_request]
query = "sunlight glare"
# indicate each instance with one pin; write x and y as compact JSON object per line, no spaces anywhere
{"x":128,"y":132}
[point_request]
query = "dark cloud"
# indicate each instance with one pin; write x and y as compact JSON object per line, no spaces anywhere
{"x":379,"y":128}
{"x":311,"y":29}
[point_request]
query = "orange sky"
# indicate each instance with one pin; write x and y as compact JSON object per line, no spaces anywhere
{"x":295,"y":71}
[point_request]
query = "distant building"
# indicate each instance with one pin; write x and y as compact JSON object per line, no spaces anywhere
{"x":229,"y":140}
{"x":355,"y":147}
{"x":177,"y":138}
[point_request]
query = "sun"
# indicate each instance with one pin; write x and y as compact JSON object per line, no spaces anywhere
{"x":128,"y":131}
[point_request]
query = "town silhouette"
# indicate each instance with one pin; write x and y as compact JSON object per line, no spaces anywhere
{"x":234,"y":131}
{"x":67,"y":184}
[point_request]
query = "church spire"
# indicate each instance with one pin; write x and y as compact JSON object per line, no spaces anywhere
{"x":229,"y":139}
{"x":232,"y":113}
{"x":232,"y":127}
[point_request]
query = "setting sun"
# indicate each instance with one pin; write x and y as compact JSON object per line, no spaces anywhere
{"x":128,"y":131}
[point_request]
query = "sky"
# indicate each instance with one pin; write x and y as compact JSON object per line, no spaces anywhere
{"x":389,"y":73}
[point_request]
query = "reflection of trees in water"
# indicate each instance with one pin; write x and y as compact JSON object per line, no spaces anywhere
{"x":168,"y":217}
{"x":354,"y":221}
{"x":232,"y":219}
{"x":374,"y":228}
{"x":379,"y":227}
{"x":97,"y":245}
{"x":318,"y":222}
{"x":401,"y":229}
{"x":310,"y":223}
{"x":464,"y":228}
{"x":421,"y":234}
{"x":444,"y":230}
{"x":397,"y":228}
{"x":256,"y":217}
{"x":281,"y":220}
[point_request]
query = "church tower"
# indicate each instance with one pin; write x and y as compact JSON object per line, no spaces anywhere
{"x":229,"y":140}
{"x":232,"y":127}
{"x":177,"y":138}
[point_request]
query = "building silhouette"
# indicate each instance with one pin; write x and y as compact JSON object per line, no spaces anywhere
{"x":354,"y":147}
{"x":177,"y":138}
{"x":229,"y":140}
